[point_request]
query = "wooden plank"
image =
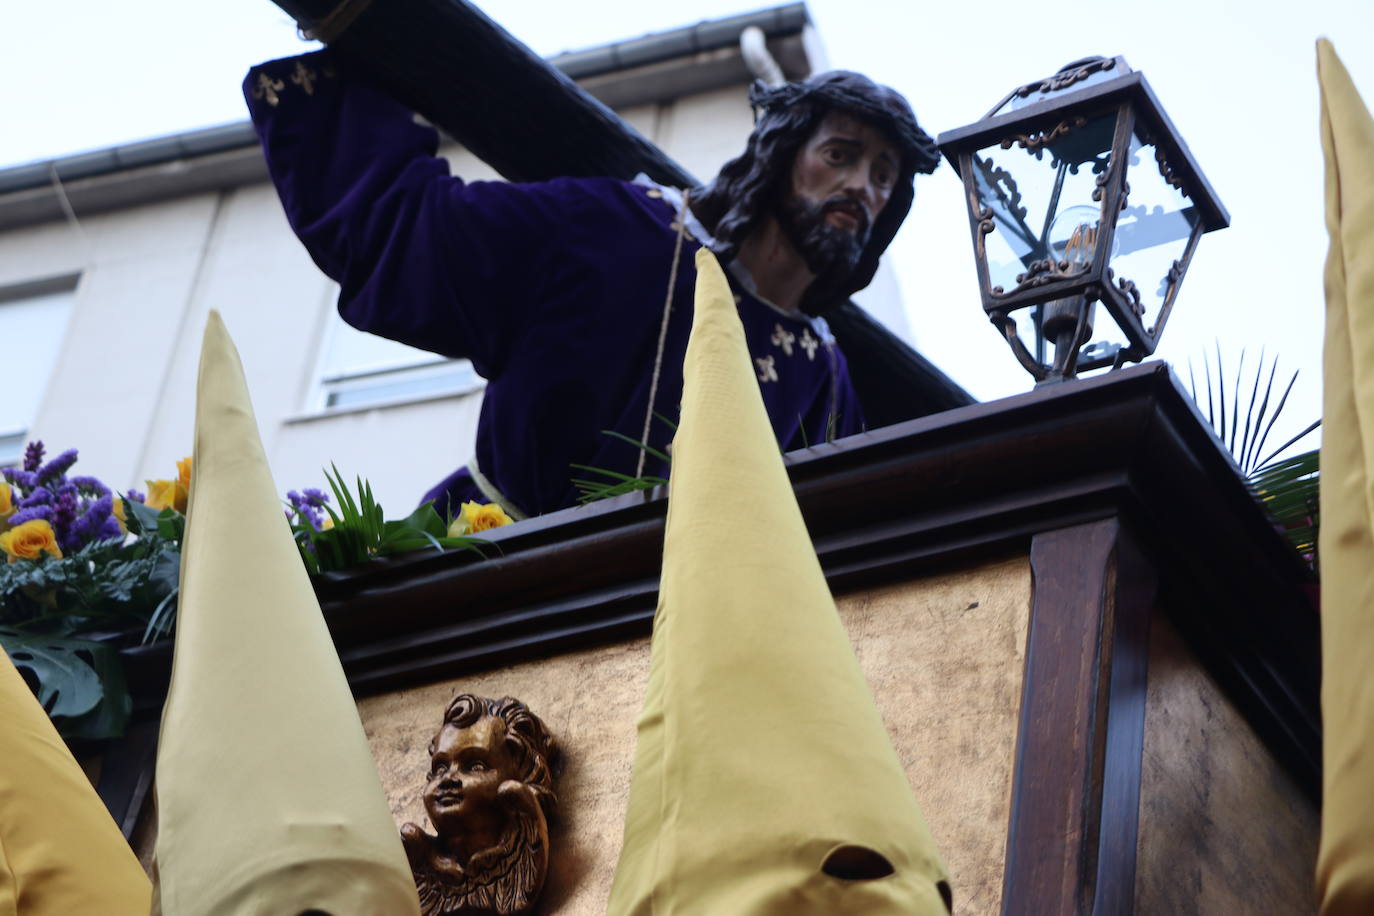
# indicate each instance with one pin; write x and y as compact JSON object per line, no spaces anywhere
{"x":450,"y":62}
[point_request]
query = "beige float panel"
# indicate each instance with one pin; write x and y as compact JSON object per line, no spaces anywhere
{"x":944,"y":655}
{"x":1223,"y":829}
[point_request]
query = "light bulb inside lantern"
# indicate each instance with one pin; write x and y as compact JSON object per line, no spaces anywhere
{"x":1071,"y":244}
{"x":1073,"y":236}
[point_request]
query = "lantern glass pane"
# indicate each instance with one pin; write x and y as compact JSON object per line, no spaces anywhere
{"x":1039,"y":192}
{"x":1105,"y":341}
{"x":1152,"y":231}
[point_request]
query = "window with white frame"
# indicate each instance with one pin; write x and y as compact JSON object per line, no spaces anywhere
{"x":33,"y":321}
{"x":363,"y":370}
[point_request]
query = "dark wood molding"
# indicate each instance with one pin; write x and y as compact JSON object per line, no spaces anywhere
{"x":886,"y":506}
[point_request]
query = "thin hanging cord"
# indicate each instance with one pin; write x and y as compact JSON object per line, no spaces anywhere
{"x":66,"y":206}
{"x":663,"y":333}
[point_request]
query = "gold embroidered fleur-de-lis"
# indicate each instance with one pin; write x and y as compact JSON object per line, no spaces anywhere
{"x":809,"y":344}
{"x":267,"y":88}
{"x":766,"y":371}
{"x":304,"y":77}
{"x":783,"y":338}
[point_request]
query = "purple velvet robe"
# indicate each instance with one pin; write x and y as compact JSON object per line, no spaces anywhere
{"x":554,"y":290}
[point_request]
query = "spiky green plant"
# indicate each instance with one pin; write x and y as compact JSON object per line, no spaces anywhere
{"x":1286,"y":486}
{"x":359,"y":532}
{"x":590,"y":490}
{"x":1246,"y":443}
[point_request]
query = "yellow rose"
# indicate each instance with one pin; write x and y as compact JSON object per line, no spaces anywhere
{"x":166,"y":494}
{"x":117,"y":509}
{"x":29,"y":541}
{"x":171,"y":494}
{"x":6,"y":502}
{"x":475,"y":517}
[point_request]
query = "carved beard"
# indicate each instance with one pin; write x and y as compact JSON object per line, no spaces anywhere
{"x":829,"y":251}
{"x":504,"y":879}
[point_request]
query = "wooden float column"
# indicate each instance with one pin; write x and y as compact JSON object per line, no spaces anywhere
{"x":1071,"y":842}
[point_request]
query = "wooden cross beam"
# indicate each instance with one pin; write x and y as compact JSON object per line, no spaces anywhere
{"x":448,"y":61}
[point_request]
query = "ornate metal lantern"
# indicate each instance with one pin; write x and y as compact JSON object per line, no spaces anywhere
{"x":1080,"y":191}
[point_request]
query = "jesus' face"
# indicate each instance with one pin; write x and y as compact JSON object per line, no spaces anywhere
{"x":841,"y":180}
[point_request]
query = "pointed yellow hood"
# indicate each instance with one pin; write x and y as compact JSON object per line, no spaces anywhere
{"x":1345,"y":866}
{"x":268,"y":798}
{"x":761,"y":754}
{"x":60,"y":852}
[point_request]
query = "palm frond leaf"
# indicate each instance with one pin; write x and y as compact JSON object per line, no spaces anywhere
{"x":1286,"y":486}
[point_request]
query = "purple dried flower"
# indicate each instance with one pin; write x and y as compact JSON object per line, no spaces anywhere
{"x":33,"y":455}
{"x":314,"y":497}
{"x":65,"y":508}
{"x":57,"y":468}
{"x":80,"y":508}
{"x":44,"y":512}
{"x":136,"y":496}
{"x":24,"y":480}
{"x":38,"y":496}
{"x":89,"y":486}
{"x":91,"y":523}
{"x":110,"y":530}
{"x":306,"y":507}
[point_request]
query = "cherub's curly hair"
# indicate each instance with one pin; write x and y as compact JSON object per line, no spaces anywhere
{"x":750,"y":187}
{"x":535,"y":751}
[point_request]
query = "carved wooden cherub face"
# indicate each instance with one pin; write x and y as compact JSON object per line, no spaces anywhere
{"x":489,"y":793}
{"x":467,"y":769}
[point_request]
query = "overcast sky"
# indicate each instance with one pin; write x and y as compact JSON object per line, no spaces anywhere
{"x":1237,"y":78}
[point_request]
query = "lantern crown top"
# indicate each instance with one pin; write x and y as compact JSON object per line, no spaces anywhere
{"x":1076,"y":74}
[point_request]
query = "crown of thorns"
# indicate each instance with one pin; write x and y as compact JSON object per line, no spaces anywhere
{"x":856,"y":93}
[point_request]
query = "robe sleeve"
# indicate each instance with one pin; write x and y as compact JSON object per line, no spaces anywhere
{"x":420,"y":256}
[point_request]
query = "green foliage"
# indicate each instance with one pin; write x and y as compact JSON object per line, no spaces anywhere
{"x":360,"y":532}
{"x":105,"y":586}
{"x":1246,"y":443}
{"x":62,"y":621}
{"x":614,"y":482}
{"x":1287,"y":486}
{"x":589,"y":490}
{"x":80,"y":682}
{"x":1289,"y":490}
